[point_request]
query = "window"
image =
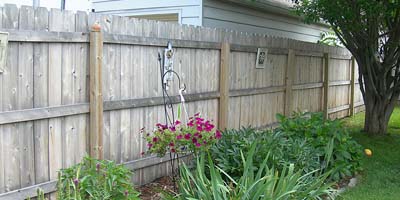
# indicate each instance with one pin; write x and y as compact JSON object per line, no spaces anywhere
{"x":169,"y":17}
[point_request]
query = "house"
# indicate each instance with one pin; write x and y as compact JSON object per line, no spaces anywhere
{"x":272,"y":17}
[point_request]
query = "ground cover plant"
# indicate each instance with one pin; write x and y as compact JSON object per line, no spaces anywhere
{"x":379,"y":178}
{"x":301,"y":140}
{"x":97,"y":180}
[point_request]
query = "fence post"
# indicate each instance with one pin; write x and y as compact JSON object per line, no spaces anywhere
{"x":326,"y":85}
{"x":96,"y":96}
{"x":224,"y":86}
{"x":290,"y":70}
{"x":352,"y":85}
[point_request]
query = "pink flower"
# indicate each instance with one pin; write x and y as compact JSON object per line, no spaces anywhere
{"x":197,"y":114}
{"x":190,"y":124}
{"x":178,"y":137}
{"x":149,"y":145}
{"x":126,"y":193}
{"x":196,"y":134}
{"x":173,"y":150}
{"x":161,"y":126}
{"x":218,"y":134}
{"x":177,"y":122}
{"x":172,"y":128}
{"x":199,"y":128}
{"x":194,"y":140}
{"x":204,"y":142}
{"x":97,"y":166}
{"x":142,"y":154}
{"x":209,"y":128}
{"x":199,"y":119}
{"x":188,"y":136}
{"x":76,"y":182}
{"x":155,"y":139}
{"x":198,"y":145}
{"x":171,"y":144}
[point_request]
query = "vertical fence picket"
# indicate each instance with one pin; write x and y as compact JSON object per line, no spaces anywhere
{"x":55,"y":96}
{"x":40,"y":98}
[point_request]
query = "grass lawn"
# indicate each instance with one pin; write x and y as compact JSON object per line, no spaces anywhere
{"x":380,"y":179}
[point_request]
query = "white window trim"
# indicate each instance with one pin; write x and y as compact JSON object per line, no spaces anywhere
{"x":153,"y":12}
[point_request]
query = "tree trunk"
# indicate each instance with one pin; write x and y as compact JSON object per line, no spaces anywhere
{"x":377,"y":114}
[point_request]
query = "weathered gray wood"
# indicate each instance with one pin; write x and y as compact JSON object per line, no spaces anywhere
{"x":352,"y":85}
{"x":43,"y":113}
{"x":81,"y":86}
{"x":126,"y":78}
{"x":224,"y":86}
{"x":156,"y":101}
{"x":338,"y":109}
{"x":326,"y":85}
{"x":83,"y":108}
{"x":40,"y":98}
{"x":253,"y":49}
{"x":339,"y":83}
{"x":44,"y":36}
{"x":25,"y":98}
{"x":55,"y":96}
{"x":307,"y":86}
{"x":290,"y":72}
{"x":30,"y":191}
{"x":10,"y":154}
{"x":160,"y":42}
{"x":255,"y":91}
{"x":96,"y":96}
{"x":69,"y":94}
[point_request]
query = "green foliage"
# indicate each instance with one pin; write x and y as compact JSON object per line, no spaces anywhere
{"x":302,"y":140}
{"x":318,"y":132}
{"x":379,"y":178}
{"x":264,"y":183}
{"x":370,"y":30}
{"x":95,"y":179}
{"x":330,"y":38}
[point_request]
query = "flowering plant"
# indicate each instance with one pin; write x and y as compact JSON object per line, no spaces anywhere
{"x":195,"y":136}
{"x":96,"y":179}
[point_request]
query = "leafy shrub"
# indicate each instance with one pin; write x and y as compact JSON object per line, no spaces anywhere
{"x":301,"y":140}
{"x":318,"y":132}
{"x":283,"y":150}
{"x":96,"y":179}
{"x":264,"y":183}
{"x":197,"y":135}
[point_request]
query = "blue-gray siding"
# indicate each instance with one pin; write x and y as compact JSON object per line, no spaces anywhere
{"x":232,"y":16}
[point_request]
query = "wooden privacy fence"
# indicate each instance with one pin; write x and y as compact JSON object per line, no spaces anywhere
{"x":53,"y":62}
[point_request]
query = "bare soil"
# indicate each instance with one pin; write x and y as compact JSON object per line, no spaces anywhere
{"x":152,"y":191}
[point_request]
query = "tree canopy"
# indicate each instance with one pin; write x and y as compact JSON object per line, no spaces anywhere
{"x":370,"y":30}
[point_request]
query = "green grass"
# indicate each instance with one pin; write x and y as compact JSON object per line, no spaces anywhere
{"x":380,"y":178}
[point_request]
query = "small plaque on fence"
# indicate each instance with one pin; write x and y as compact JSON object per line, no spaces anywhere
{"x":261,"y":61}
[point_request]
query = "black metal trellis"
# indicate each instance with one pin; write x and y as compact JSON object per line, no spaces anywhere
{"x":170,"y":119}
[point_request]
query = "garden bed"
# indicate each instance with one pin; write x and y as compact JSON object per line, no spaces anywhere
{"x":152,"y":191}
